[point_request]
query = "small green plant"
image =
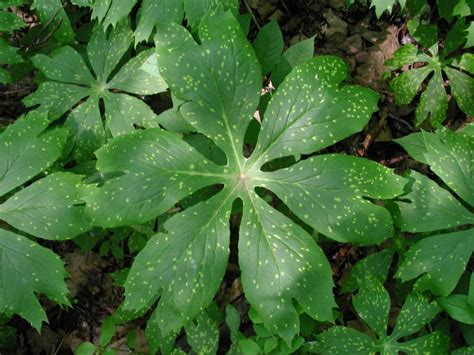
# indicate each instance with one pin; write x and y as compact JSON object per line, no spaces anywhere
{"x":219,"y":82}
{"x":107,"y":332}
{"x":48,"y":208}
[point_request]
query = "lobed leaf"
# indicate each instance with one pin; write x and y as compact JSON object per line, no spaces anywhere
{"x":221,"y":86}
{"x":372,"y":304}
{"x":344,"y":341}
{"x":462,"y":87}
{"x":429,"y":207}
{"x":415,"y":313}
{"x":64,"y":65}
{"x":451,"y":157}
{"x":433,"y":103}
{"x":72,"y":81}
{"x":158,"y":169}
{"x":10,"y":22}
{"x":185,"y":266}
{"x":26,"y":268}
{"x":153,"y":12}
{"x":439,"y":260}
{"x":305,"y":113}
{"x":329,"y":193}
{"x":406,"y":85}
{"x":217,"y":84}
{"x":203,"y":334}
{"x":280,"y":263}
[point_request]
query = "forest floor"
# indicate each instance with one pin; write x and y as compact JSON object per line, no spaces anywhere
{"x":356,"y":35}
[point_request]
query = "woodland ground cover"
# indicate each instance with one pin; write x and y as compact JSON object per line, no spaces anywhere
{"x":236,"y":177}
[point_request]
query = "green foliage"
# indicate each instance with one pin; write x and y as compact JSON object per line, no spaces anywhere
{"x":279,"y":260}
{"x":203,"y":334}
{"x":441,"y":259}
{"x":71,"y":81}
{"x":372,"y":304}
{"x":187,"y":188}
{"x":153,"y":12}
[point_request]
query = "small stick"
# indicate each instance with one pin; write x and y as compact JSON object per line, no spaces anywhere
{"x":249,"y":9}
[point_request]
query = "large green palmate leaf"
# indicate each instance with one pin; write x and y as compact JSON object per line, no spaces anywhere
{"x":439,"y":260}
{"x":48,"y":208}
{"x":372,"y":304}
{"x":73,"y":86}
{"x":218,"y":82}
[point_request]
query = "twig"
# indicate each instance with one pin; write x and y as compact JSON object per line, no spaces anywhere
{"x":372,"y":134}
{"x":249,"y":9}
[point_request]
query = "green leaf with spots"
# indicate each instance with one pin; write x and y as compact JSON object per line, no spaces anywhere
{"x":72,"y":84}
{"x":470,"y":36}
{"x":281,"y":264}
{"x":19,"y":147}
{"x":429,"y":206}
{"x":203,"y":334}
{"x":438,"y":261}
{"x":462,"y":88}
{"x":10,"y":21}
{"x":8,"y":54}
{"x":49,"y":208}
{"x":372,"y":304}
{"x":433,"y":103}
{"x":52,"y":14}
{"x":377,"y":265}
{"x":343,"y":341}
{"x":426,"y":35}
{"x":26,"y":269}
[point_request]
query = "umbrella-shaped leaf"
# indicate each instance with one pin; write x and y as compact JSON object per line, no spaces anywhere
{"x":71,"y":81}
{"x":218,"y":82}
